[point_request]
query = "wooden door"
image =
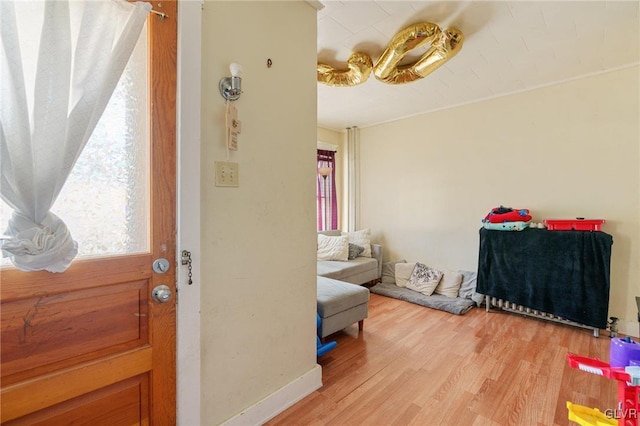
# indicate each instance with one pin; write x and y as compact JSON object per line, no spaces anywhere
{"x":90,"y":346}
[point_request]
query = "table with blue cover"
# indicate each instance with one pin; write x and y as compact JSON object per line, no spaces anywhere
{"x":564,"y":273}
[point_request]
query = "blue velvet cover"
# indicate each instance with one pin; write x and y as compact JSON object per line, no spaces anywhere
{"x":565,"y":273}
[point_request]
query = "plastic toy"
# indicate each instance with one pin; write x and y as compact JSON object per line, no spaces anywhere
{"x":624,"y":352}
{"x":628,"y":377}
{"x":588,"y":416}
{"x":577,"y":224}
{"x":322,"y":348}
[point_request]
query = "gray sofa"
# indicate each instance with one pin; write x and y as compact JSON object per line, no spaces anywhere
{"x":341,"y":304}
{"x":361,"y":270}
{"x":342,"y":298}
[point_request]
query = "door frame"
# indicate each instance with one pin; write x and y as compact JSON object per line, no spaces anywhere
{"x":188,"y":210}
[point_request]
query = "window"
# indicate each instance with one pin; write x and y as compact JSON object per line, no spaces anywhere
{"x":326,"y":198}
{"x":108,"y":185}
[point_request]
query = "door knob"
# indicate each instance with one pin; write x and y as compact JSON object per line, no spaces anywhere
{"x":161,"y":294}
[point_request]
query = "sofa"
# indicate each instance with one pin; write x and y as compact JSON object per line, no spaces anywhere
{"x":344,"y":265}
{"x":360,"y":270}
{"x":340,"y":304}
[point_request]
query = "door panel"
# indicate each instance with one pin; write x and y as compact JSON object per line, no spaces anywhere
{"x":90,"y":345}
{"x":121,"y":403}
{"x":74,"y":319}
{"x":38,"y":395}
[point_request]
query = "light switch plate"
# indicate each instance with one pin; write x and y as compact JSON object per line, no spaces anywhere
{"x":227,"y":173}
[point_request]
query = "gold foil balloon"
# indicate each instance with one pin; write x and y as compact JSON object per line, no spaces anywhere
{"x":359,"y":68}
{"x":444,"y":46}
{"x":387,"y":68}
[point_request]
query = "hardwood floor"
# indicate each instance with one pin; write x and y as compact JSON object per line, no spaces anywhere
{"x":417,"y":366}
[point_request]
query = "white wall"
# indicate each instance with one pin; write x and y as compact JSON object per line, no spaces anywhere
{"x":258,"y":291}
{"x":563,"y":151}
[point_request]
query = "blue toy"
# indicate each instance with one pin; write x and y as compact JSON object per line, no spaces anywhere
{"x":322,"y":348}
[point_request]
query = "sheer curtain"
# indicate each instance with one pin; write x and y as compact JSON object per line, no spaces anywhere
{"x":59,"y":64}
{"x":327,"y":200}
{"x":353,"y":172}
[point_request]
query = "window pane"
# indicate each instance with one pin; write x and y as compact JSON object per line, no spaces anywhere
{"x":105,"y":201}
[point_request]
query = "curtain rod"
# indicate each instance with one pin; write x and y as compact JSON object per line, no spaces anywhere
{"x":160,"y":14}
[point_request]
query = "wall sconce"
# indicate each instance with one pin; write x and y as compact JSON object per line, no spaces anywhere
{"x":231,"y":87}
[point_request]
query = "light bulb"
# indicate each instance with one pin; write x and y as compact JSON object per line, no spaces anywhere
{"x":236,"y":69}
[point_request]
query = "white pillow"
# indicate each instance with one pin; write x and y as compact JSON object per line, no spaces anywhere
{"x":403,"y":273}
{"x":468,"y":286}
{"x":450,"y":284}
{"x":389,"y":271}
{"x":424,"y":279}
{"x":361,"y":238}
{"x":333,"y":248}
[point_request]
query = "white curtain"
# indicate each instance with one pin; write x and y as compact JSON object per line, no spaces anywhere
{"x":59,"y":64}
{"x":353,"y":178}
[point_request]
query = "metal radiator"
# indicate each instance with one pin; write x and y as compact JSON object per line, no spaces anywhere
{"x":493,"y":302}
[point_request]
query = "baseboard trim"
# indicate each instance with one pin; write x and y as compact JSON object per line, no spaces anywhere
{"x":280,"y":400}
{"x":629,"y":328}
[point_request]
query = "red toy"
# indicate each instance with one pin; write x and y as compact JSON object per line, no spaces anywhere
{"x":507,"y":214}
{"x":578,"y":224}
{"x":627,"y":411}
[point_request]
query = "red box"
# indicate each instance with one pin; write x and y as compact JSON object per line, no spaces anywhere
{"x":578,"y":224}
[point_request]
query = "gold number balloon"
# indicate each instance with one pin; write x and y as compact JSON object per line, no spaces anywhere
{"x":359,"y":65}
{"x":444,"y":46}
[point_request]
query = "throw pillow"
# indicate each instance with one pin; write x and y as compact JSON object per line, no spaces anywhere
{"x":468,"y":287}
{"x":424,"y":279}
{"x":354,"y":250}
{"x":403,"y":273}
{"x":331,"y":232}
{"x":449,"y":284}
{"x":361,"y":238}
{"x":389,"y":271}
{"x":333,"y":248}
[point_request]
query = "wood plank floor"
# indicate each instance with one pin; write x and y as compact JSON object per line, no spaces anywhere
{"x":417,"y":366}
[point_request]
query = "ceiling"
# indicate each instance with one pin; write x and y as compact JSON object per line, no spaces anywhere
{"x":509,"y":47}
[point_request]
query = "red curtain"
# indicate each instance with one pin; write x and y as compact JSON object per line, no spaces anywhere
{"x":327,"y":200}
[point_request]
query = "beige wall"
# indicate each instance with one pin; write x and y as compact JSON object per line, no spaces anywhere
{"x":258,"y":241}
{"x":330,"y":136}
{"x":338,"y":139}
{"x":562,"y":151}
